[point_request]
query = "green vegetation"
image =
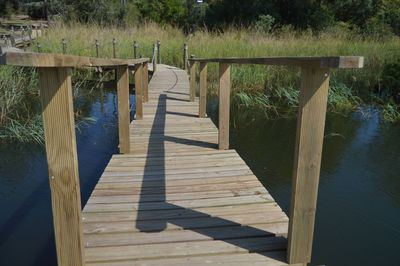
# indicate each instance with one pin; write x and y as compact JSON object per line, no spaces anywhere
{"x":223,"y":28}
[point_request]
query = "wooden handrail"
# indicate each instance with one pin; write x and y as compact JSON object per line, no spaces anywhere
{"x":309,"y":139}
{"x":58,"y":119}
{"x":62,"y":60}
{"x":300,"y":61}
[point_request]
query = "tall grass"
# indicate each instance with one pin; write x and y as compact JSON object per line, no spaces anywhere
{"x":349,"y":87}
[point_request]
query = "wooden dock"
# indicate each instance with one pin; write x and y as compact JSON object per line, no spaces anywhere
{"x":176,"y":195}
{"x":178,"y":200}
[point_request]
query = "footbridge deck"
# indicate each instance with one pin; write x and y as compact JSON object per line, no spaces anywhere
{"x":176,"y":198}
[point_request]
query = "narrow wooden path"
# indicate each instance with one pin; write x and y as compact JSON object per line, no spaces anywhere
{"x":178,"y":200}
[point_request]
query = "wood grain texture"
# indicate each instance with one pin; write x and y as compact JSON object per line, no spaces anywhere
{"x":61,"y":60}
{"x":123,"y":108}
{"x":300,"y":61}
{"x":192,"y":82}
{"x":139,"y":91}
{"x":203,"y":90}
{"x":224,"y":105}
{"x":59,"y":128}
{"x":178,"y":198}
{"x":307,"y":162}
{"x":145,"y":82}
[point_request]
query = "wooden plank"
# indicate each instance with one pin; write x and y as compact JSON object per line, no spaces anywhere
{"x":275,"y":258}
{"x":307,"y":162}
{"x":59,"y":128}
{"x":249,"y":209}
{"x":185,"y":249}
{"x":192,"y":82}
{"x":300,"y":61}
{"x":224,"y":105}
{"x":61,"y":60}
{"x":203,"y":90}
{"x":123,"y":108}
{"x":173,"y":236}
{"x":146,"y":82}
{"x":139,"y":91}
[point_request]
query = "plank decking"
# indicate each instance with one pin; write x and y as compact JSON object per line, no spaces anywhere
{"x":178,"y":200}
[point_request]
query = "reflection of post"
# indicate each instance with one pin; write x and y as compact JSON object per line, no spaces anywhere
{"x":102,"y":98}
{"x":59,"y":129}
{"x":307,"y":162}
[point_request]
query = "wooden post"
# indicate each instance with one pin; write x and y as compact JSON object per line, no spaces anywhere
{"x":123,"y":108}
{"x":203,"y":90}
{"x":59,"y":129}
{"x":12,"y":38}
{"x":135,"y":46}
{"x":146,"y":82}
{"x":97,"y":48}
{"x":114,"y":42}
{"x":39,"y":47}
{"x":224,"y":105}
{"x":154,"y":58}
{"x":185,"y":56}
{"x":138,"y":91}
{"x":64,"y":46}
{"x":192,"y":80}
{"x":307,"y":162}
{"x":30,"y":32}
{"x":159,"y":51}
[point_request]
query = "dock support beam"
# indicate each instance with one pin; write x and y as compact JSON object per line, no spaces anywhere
{"x":307,"y":163}
{"x":192,"y":80}
{"x":146,"y":82}
{"x":139,"y":91}
{"x":62,"y":158}
{"x":123,"y":108}
{"x":224,"y":105}
{"x":203,"y":90}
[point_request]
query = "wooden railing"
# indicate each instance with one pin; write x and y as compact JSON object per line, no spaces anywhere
{"x":58,"y":119}
{"x":309,"y":138}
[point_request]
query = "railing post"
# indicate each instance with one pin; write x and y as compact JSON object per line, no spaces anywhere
{"x":97,"y":48}
{"x":146,"y":82}
{"x":135,"y":46}
{"x":30,"y":32}
{"x":59,"y":129}
{"x":185,"y":56}
{"x":307,"y":162}
{"x":154,"y":58}
{"x":224,"y":105}
{"x":12,"y":38}
{"x":39,"y":47}
{"x":138,"y":91}
{"x":203,"y":90}
{"x":123,"y":108}
{"x":192,"y":79}
{"x":114,"y":42}
{"x":159,"y":51}
{"x":64,"y":46}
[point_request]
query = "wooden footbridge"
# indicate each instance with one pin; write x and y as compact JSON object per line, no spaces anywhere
{"x":177,"y":195}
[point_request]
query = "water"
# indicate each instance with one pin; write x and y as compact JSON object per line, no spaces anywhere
{"x":358,"y":212}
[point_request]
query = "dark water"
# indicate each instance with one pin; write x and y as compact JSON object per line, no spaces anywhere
{"x":358,"y":213}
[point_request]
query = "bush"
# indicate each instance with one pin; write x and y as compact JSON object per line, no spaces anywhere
{"x":265,"y":22}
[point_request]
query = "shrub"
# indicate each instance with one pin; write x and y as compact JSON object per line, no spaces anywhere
{"x":264,"y":23}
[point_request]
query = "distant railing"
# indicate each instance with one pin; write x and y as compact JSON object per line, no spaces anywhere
{"x":310,"y":132}
{"x":58,"y":119}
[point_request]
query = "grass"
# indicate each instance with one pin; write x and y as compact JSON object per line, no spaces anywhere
{"x":273,"y":90}
{"x":349,"y":87}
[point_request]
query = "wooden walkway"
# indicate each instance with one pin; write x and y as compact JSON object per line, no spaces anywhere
{"x":178,"y":200}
